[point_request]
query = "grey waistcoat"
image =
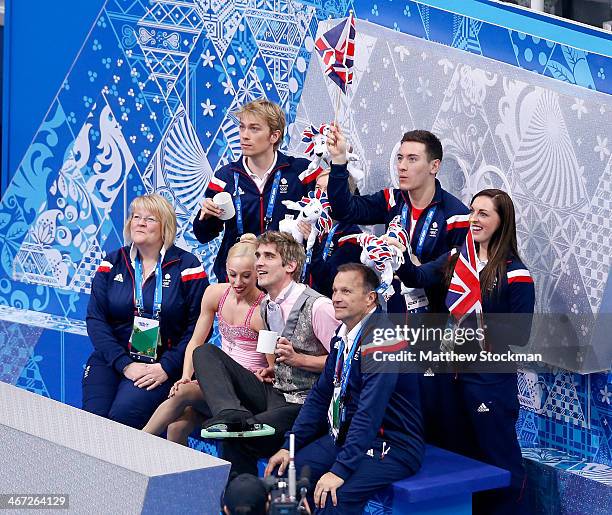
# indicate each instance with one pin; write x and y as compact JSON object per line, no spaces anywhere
{"x":295,"y":383}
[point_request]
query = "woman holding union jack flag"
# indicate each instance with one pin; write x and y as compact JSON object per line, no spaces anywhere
{"x":482,"y":408}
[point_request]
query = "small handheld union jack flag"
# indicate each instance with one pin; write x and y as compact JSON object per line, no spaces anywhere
{"x":337,"y":49}
{"x":464,"y":295}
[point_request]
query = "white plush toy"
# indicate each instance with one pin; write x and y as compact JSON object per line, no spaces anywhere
{"x":377,"y":253}
{"x":319,"y":154}
{"x":315,"y":211}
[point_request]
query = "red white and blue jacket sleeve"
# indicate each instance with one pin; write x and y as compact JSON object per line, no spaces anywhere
{"x":193,"y":283}
{"x":521,"y":297}
{"x":457,"y":226}
{"x":98,"y":327}
{"x":509,"y":307}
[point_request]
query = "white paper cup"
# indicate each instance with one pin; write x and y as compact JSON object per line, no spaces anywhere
{"x":225,"y":202}
{"x":266,"y":341}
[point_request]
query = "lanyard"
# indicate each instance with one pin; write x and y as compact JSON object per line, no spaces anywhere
{"x":328,"y":242}
{"x":424,"y":229}
{"x":348,"y":362}
{"x":306,"y":263}
{"x":157,"y":300}
{"x":269,"y":209}
{"x":325,"y":254}
{"x":238,"y":202}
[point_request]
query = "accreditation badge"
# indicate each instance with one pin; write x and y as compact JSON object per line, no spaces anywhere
{"x":415,"y":298}
{"x":145,"y":339}
{"x":333,"y":413}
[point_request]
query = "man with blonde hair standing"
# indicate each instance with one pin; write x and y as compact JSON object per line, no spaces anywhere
{"x":259,"y":181}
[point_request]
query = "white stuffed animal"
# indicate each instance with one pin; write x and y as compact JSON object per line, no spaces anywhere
{"x":319,"y":154}
{"x":315,"y":211}
{"x":377,"y":253}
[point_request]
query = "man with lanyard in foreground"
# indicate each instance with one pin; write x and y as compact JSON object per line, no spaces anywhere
{"x":373,"y":435}
{"x":258,"y":182}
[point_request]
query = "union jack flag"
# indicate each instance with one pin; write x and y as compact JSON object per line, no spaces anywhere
{"x":337,"y":49}
{"x":463,"y":295}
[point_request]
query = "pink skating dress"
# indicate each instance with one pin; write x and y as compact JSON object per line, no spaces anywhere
{"x":240,"y":341}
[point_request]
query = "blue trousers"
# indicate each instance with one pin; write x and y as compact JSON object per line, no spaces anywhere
{"x":111,"y":395}
{"x":372,"y":474}
{"x":475,"y":415}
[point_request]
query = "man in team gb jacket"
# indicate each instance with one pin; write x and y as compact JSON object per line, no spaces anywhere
{"x":360,"y":428}
{"x":435,"y":220}
{"x":259,"y":182}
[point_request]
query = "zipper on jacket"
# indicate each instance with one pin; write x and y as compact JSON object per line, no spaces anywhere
{"x":164,"y":265}
{"x":261,"y":209}
{"x":261,"y":214}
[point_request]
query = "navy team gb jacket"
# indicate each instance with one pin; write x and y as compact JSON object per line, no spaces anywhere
{"x":381,"y":406}
{"x":294,"y":184}
{"x":110,"y":313}
{"x":448,"y":229}
{"x":509,"y":306}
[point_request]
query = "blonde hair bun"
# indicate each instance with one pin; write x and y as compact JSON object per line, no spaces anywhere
{"x":245,"y":246}
{"x":249,"y":237}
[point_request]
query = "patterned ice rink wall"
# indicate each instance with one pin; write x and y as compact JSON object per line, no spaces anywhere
{"x":147,"y":106}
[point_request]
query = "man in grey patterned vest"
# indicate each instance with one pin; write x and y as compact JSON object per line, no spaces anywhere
{"x":305,"y":321}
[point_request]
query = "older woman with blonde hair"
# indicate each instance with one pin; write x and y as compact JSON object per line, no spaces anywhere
{"x":144,"y":305}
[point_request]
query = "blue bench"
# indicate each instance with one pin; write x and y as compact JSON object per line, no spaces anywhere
{"x":444,"y":484}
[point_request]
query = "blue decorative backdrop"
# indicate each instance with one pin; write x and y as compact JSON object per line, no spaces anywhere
{"x":148,"y":106}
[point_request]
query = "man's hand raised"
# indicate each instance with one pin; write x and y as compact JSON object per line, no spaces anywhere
{"x":336,"y":144}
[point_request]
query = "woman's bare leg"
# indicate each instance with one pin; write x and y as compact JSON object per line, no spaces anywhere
{"x":172,"y":408}
{"x":181,"y":428}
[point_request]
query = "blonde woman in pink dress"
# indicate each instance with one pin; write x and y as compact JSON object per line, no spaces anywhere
{"x":236,"y":306}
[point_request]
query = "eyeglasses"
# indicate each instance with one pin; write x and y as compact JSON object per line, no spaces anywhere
{"x":148,"y":220}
